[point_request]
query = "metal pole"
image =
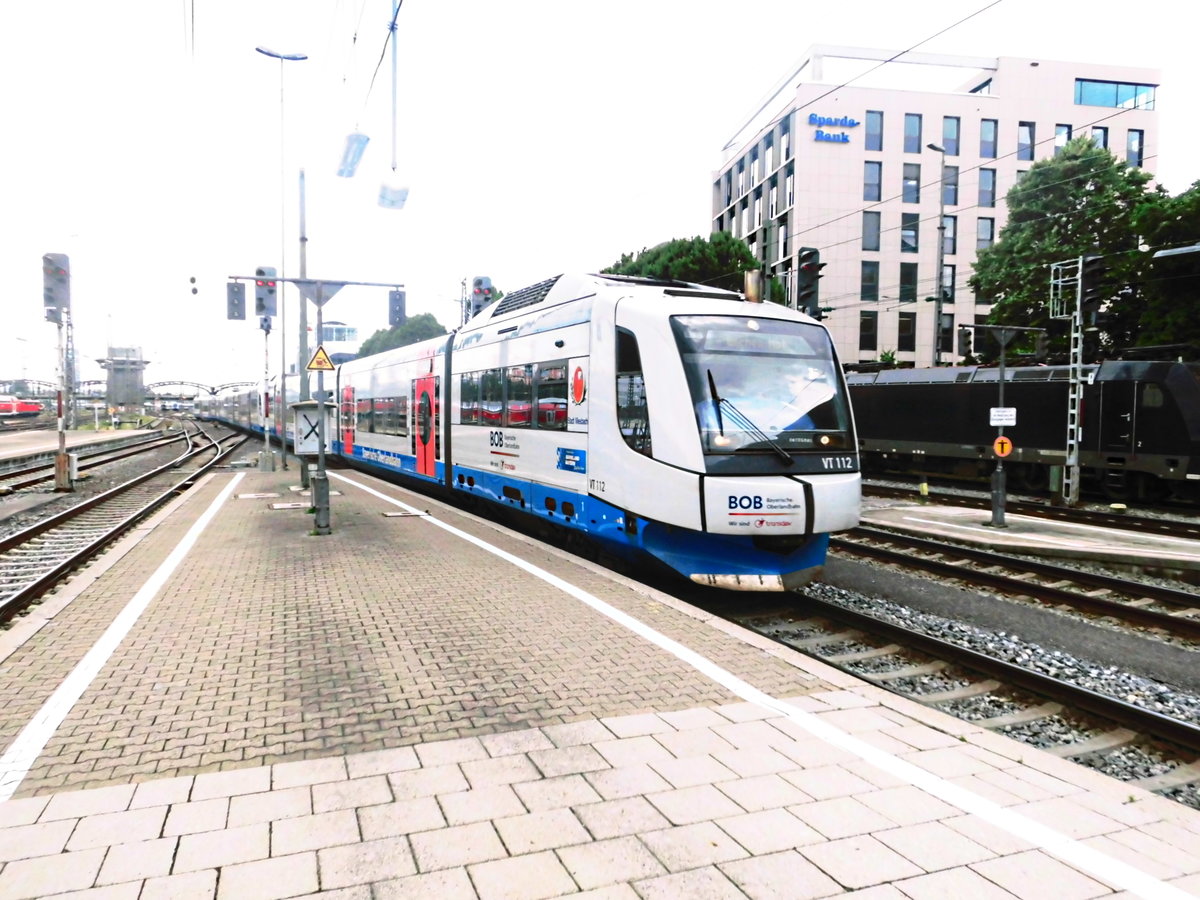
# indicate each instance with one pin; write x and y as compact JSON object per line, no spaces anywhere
{"x":941,"y":262}
{"x":998,"y":477}
{"x":280,"y":413}
{"x":302,"y":359}
{"x":62,"y":468}
{"x":266,"y":462}
{"x":320,"y":482}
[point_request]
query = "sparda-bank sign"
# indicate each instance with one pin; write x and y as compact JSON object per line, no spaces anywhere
{"x":823,"y":122}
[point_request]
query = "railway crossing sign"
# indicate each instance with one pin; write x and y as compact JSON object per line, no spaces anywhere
{"x":1002,"y":446}
{"x":320,"y":362}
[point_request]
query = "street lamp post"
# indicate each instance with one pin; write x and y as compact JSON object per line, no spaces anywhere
{"x":939,"y":282}
{"x":281,"y":394}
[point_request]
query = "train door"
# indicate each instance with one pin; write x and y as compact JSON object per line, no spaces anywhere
{"x":349,"y":415}
{"x":1117,"y":412}
{"x":425,"y":405}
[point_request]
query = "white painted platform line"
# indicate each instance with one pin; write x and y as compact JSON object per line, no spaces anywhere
{"x":24,"y":751}
{"x":1112,"y":871}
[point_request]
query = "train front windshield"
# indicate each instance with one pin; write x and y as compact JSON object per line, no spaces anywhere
{"x":762,"y":385}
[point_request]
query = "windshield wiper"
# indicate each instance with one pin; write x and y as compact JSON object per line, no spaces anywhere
{"x":716,"y":402}
{"x":743,"y":421}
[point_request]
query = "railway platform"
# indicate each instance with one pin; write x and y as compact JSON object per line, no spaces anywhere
{"x":31,"y":443}
{"x":1037,"y":536}
{"x":424,"y":704}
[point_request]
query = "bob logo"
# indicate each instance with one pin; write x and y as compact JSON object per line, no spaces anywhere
{"x":578,"y":386}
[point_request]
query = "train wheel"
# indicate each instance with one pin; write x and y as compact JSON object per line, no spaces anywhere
{"x":1033,"y":477}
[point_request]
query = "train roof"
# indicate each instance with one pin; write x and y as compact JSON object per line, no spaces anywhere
{"x":567,"y":288}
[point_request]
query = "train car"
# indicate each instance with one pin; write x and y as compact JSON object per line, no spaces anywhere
{"x":664,"y":421}
{"x":1140,"y":424}
{"x":15,"y":407}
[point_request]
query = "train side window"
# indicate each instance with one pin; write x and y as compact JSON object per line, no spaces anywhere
{"x":468,"y":396}
{"x":518,"y":402}
{"x":1152,"y":396}
{"x":550,"y":395}
{"x":402,"y":416}
{"x":363,"y":416}
{"x":633,"y":416}
{"x":491,"y":397}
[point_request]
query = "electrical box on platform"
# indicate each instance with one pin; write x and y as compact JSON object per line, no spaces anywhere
{"x":306,"y":421}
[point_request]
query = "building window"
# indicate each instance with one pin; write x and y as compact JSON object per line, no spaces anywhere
{"x":741,"y":177}
{"x":950,"y":185}
{"x":950,"y":235}
{"x":788,"y":188}
{"x":910,"y":235}
{"x":987,"y":138}
{"x":987,"y":187}
{"x":870,"y":231}
{"x":950,"y":126}
{"x":1100,"y":136}
{"x":912,"y":183}
{"x":1113,"y":93}
{"x":907,"y":335}
{"x":872,"y":176}
{"x":985,"y":233}
{"x":1062,"y":134}
{"x":782,"y":242}
{"x":870,"y":281}
{"x":984,"y":87}
{"x":874,"y":129}
{"x":1134,"y":146}
{"x":908,"y":282}
{"x":785,"y":138}
{"x":758,"y":210}
{"x":1021,"y":173}
{"x":773,"y":204}
{"x":912,"y":133}
{"x":868,"y":328}
{"x":1026,"y":138}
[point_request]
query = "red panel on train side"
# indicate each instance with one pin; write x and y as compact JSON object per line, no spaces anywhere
{"x":425,"y":432}
{"x":349,"y":417}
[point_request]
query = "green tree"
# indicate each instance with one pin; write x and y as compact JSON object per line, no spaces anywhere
{"x":415,"y":329}
{"x":718,"y":260}
{"x":1169,"y":292}
{"x":1079,"y":202}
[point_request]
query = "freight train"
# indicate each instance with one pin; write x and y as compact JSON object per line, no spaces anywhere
{"x":663,"y":421}
{"x":1140,"y":424}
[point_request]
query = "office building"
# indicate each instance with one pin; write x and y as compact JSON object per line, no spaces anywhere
{"x":864,"y":173}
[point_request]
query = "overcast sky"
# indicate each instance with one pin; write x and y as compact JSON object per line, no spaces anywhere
{"x":143,"y":139}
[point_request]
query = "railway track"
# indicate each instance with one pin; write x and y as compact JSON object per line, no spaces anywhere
{"x":1171,"y":527}
{"x":1166,"y":610}
{"x":1038,"y":707}
{"x":39,"y":468}
{"x":35,"y":559}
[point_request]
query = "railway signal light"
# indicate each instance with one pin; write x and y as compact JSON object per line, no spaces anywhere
{"x":964,"y":341}
{"x":807,"y":277}
{"x":264,"y":291}
{"x":235,"y":300}
{"x":396,"y":314}
{"x":1092,"y":274}
{"x":481,"y":293}
{"x":56,"y":285}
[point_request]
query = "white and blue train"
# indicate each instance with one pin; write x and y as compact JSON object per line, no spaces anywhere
{"x":662,"y":420}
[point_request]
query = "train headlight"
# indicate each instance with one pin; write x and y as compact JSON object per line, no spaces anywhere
{"x":824,"y":440}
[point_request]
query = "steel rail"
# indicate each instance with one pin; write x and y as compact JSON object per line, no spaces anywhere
{"x":28,"y":593}
{"x":1182,"y":626}
{"x":1146,"y":721}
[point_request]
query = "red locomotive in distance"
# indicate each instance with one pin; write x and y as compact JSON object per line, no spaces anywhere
{"x":13,"y":407}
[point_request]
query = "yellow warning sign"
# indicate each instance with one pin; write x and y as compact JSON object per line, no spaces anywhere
{"x":320,"y":362}
{"x":1002,"y":446}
